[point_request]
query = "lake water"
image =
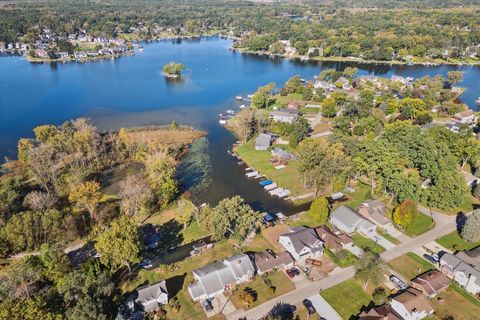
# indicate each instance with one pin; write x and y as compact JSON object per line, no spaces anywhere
{"x":131,"y":91}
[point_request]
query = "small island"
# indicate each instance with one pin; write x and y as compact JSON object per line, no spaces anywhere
{"x":173,"y":69}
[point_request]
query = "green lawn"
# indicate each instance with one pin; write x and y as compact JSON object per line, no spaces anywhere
{"x":287,"y":177}
{"x":362,"y":192}
{"x":421,"y":224}
{"x":343,"y":259}
{"x":347,"y":298}
{"x":454,"y":242}
{"x":410,"y":265}
{"x":457,"y":303}
{"x":365,"y":243}
{"x":262,"y":292}
{"x":387,"y":236}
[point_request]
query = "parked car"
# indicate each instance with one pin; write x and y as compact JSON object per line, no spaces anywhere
{"x":147,"y":263}
{"x":398,"y":282}
{"x":430,"y":258}
{"x":309,"y":305}
{"x":207,"y":305}
{"x":292,"y":272}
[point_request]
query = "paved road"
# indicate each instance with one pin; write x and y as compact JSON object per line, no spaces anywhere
{"x":443,"y":224}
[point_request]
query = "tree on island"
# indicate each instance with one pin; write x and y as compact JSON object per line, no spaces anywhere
{"x":173,"y":69}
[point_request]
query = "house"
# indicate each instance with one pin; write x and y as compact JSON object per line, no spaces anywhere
{"x":466,"y":117}
{"x":284,"y":115}
{"x":302,"y":243}
{"x":219,"y":276}
{"x":333,"y":239}
{"x":411,"y":304}
{"x":464,"y":268}
{"x":151,"y":297}
{"x":454,"y":126}
{"x":374,"y":210}
{"x":263,"y":141}
{"x":326,"y":86}
{"x":400,"y":79}
{"x":384,"y":312}
{"x":349,"y":221}
{"x":431,"y":283}
{"x":282,"y":155}
{"x":343,"y":83}
{"x":294,"y":105}
{"x":266,"y":261}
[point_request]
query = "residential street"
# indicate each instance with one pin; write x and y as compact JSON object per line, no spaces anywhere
{"x":443,"y":224}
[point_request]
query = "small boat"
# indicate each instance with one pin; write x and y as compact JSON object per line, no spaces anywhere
{"x":478,"y":100}
{"x":230,"y":111}
{"x":222,"y":121}
{"x":250,"y":96}
{"x":266,"y":183}
{"x":239,"y":98}
{"x":270,"y":186}
{"x":221,"y":115}
{"x":242,"y":106}
{"x":275,"y":192}
{"x":140,"y":48}
{"x":248,"y":169}
{"x":251,"y":174}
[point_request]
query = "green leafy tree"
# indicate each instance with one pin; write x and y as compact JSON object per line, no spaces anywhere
{"x":320,"y":210}
{"x":405,"y":213}
{"x":369,"y":268}
{"x":55,"y":262}
{"x":411,"y":108}
{"x":329,"y":108}
{"x":173,"y":69}
{"x":455,"y":77}
{"x":299,"y":131}
{"x":119,"y":244}
{"x":471,"y":230}
{"x":263,"y":98}
{"x":87,"y":195}
{"x":379,"y":296}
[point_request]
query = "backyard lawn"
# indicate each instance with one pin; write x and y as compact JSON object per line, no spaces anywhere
{"x":287,"y":177}
{"x":454,"y":242}
{"x":261,"y":290}
{"x":347,"y":298}
{"x":421,"y":224}
{"x":365,"y":243}
{"x":362,"y":192}
{"x":410,"y":265}
{"x":343,"y":259}
{"x":456,"y":304}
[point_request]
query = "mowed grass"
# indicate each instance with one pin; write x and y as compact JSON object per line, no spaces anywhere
{"x":421,"y":224}
{"x":454,"y":242}
{"x":410,"y":265}
{"x":456,"y":304}
{"x":362,"y":192}
{"x":261,"y":291}
{"x":367,"y":244}
{"x":347,"y":298}
{"x":387,"y":236}
{"x":287,"y":177}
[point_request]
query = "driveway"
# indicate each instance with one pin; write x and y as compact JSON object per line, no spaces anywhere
{"x":357,"y":252}
{"x":323,"y":308}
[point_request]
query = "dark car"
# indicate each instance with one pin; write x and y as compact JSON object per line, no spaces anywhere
{"x":207,"y":305}
{"x":292,"y":272}
{"x":309,"y":305}
{"x":430,"y":258}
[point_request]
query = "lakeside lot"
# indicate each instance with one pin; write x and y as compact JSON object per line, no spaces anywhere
{"x":287,"y":177}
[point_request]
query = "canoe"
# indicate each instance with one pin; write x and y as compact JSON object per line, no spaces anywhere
{"x":266,"y":183}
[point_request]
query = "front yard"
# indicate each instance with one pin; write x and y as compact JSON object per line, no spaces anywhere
{"x":454,"y":303}
{"x":421,"y":224}
{"x":410,"y":265}
{"x":347,"y":298}
{"x":454,"y":242}
{"x":367,"y":244}
{"x":261,"y":291}
{"x":287,"y":177}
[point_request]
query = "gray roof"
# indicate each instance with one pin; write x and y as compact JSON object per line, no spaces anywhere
{"x":266,"y":261}
{"x":148,"y":295}
{"x":349,"y":217}
{"x":468,"y":270}
{"x":302,"y":237}
{"x":471,"y":257}
{"x":449,"y":260}
{"x":284,"y":113}
{"x":263,"y":139}
{"x":241,"y":265}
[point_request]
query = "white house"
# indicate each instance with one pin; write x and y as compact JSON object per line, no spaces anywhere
{"x":302,"y":243}
{"x":411,"y":304}
{"x":284,"y":115}
{"x":151,"y":297}
{"x":219,"y":276}
{"x":349,"y":221}
{"x":464,"y":268}
{"x":466,"y":117}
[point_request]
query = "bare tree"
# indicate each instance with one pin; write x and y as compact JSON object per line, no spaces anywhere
{"x":44,"y":167}
{"x":134,"y":192}
{"x":39,"y":201}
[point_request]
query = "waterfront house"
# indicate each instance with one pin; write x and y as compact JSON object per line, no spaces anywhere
{"x":294,"y":105}
{"x":282,"y":155}
{"x":464,"y":268}
{"x":333,"y":239}
{"x":284,"y":115}
{"x":431,"y":283}
{"x":466,"y":117}
{"x":263,"y":141}
{"x":384,"y":312}
{"x":326,"y":86}
{"x":375,"y":211}
{"x":302,"y":243}
{"x":349,"y":221}
{"x":266,"y":261}
{"x":219,"y":276}
{"x":151,"y":297}
{"x":411,"y":304}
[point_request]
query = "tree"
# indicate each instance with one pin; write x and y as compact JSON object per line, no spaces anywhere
{"x":292,"y":84}
{"x":135,"y":194}
{"x":455,"y":77}
{"x":247,"y":296}
{"x":471,"y":229}
{"x":379,"y":296}
{"x":245,"y":125}
{"x":173,"y":69}
{"x":161,"y":170}
{"x":39,"y":201}
{"x":87,"y":196}
{"x":329,"y":108}
{"x":476,"y":191}
{"x":404,"y":213}
{"x":119,"y":244}
{"x":55,"y":262}
{"x":233,"y":215}
{"x":411,"y":108}
{"x":300,"y":130}
{"x":350,"y":72}
{"x":369,"y":268}
{"x":262,"y":98}
{"x":320,"y":210}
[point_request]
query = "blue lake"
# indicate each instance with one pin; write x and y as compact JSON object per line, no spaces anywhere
{"x":132,"y":91}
